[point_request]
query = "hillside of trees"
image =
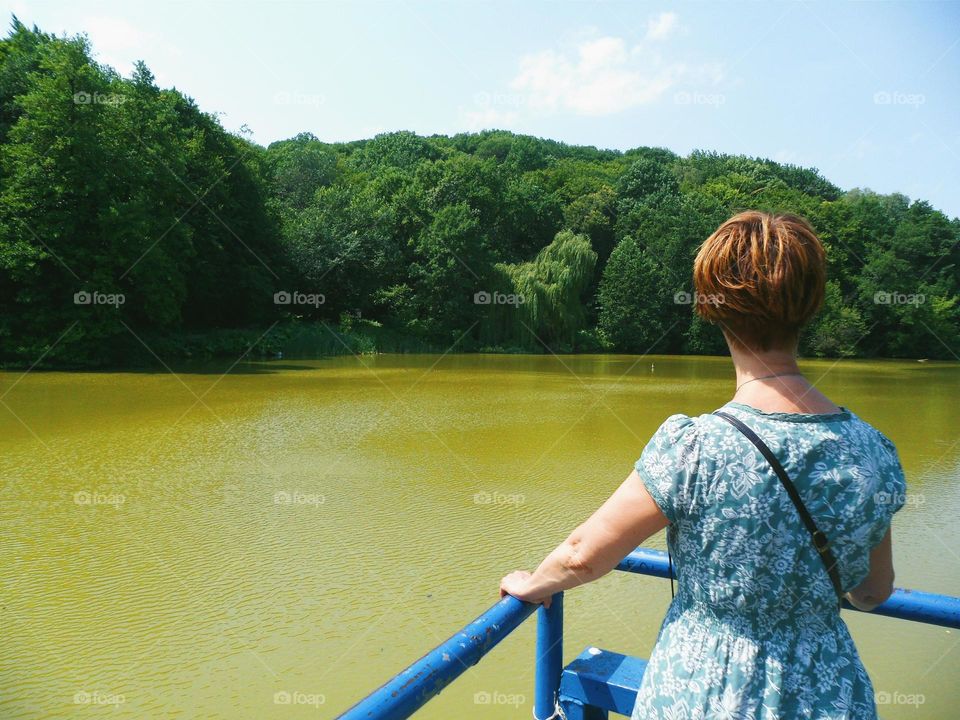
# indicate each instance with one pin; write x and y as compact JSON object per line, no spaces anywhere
{"x":132,"y":225}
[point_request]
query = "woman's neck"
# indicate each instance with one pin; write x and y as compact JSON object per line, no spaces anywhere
{"x":751,"y":365}
{"x":771,"y":381}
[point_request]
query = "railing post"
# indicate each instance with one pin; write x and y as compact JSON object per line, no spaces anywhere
{"x":549,"y":658}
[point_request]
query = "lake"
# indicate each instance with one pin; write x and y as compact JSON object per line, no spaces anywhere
{"x":278,"y":541}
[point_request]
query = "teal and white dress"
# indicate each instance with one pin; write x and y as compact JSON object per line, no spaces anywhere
{"x":754,"y":631}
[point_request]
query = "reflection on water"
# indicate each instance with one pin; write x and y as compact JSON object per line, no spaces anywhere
{"x":279,"y":541}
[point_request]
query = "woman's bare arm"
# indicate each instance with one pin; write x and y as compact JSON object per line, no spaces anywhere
{"x":878,"y":585}
{"x":596,"y":547}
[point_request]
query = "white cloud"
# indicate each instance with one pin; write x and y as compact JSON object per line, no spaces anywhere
{"x":119,"y":43}
{"x":661,"y":26}
{"x":115,"y":41}
{"x":603,"y":76}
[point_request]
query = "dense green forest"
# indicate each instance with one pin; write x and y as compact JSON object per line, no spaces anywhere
{"x":134,"y":227}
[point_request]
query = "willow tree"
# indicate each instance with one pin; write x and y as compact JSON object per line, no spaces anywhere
{"x":541,"y":301}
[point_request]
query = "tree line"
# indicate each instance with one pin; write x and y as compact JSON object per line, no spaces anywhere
{"x":134,"y":227}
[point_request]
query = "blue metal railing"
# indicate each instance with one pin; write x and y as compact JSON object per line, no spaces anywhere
{"x":904,"y":604}
{"x":408,"y":691}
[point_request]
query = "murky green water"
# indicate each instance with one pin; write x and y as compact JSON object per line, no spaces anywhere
{"x":180,"y":547}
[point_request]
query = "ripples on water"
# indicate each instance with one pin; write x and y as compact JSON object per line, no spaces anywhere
{"x":309,"y":528}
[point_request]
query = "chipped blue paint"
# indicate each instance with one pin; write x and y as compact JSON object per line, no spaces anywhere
{"x":404,"y":694}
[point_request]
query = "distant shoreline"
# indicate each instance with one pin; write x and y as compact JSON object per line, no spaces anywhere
{"x":303,"y":341}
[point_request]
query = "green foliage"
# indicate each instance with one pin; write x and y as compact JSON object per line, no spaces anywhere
{"x":119,"y":188}
{"x":645,"y":294}
{"x":113,"y":185}
{"x":631,"y":300}
{"x":451,"y":262}
{"x":297,"y":169}
{"x":839,"y":328}
{"x":548,"y":292}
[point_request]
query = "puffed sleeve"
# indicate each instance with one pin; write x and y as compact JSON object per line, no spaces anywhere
{"x":669,"y":465}
{"x":892,"y":491}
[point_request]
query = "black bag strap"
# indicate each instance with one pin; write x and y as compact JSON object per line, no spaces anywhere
{"x":820,"y":541}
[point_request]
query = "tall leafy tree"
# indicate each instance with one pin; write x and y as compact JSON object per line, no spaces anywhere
{"x":114,"y":185}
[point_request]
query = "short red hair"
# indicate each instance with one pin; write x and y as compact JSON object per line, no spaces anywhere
{"x":765,"y":275}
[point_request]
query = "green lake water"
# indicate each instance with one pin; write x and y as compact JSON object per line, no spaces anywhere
{"x":276,"y":542}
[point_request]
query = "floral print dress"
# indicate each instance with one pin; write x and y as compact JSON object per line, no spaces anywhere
{"x":754,"y":630}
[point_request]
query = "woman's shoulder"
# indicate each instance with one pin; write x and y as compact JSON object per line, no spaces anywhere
{"x":875,"y":438}
{"x":773,"y":427}
{"x":878,"y":436}
{"x":689,"y":432}
{"x":680,"y":428}
{"x":678,"y":424}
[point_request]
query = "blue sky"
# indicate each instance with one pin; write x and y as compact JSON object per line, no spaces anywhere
{"x":867,"y":92}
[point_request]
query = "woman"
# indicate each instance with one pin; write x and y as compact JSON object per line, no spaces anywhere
{"x":754,"y":630}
